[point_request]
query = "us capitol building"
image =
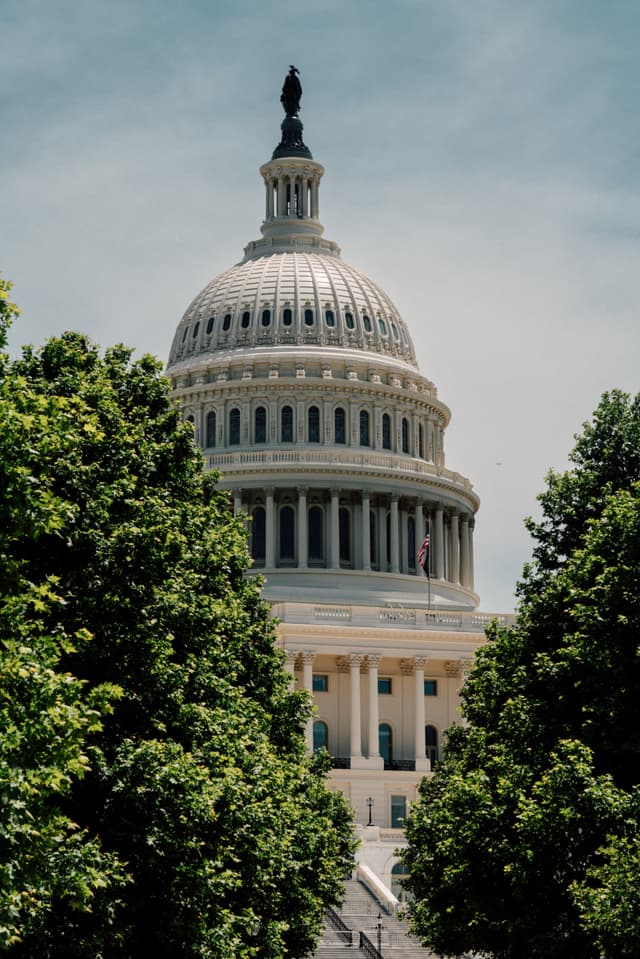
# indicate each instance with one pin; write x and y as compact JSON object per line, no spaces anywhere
{"x":301,"y":380}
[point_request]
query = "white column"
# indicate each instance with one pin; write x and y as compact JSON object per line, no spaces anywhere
{"x":395,"y":552}
{"x":404,"y":539}
{"x":420,"y":530}
{"x":382,"y":538}
{"x":315,"y":211}
{"x":303,"y":548}
{"x":366,"y":531}
{"x":374,"y":712}
{"x":307,"y":682}
{"x":422,"y":763}
{"x":471,"y":574}
{"x":281,"y":195}
{"x":454,"y":575}
{"x":303,"y":194}
{"x":438,"y":535}
{"x":464,"y":550}
{"x":237,"y":501}
{"x":270,"y":530}
{"x":334,"y":544}
{"x":355,"y":730}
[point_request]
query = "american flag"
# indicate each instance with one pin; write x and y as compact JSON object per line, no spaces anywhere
{"x":423,"y":552}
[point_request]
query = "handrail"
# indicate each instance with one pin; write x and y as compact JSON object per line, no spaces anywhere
{"x":368,"y":947}
{"x":345,"y":934}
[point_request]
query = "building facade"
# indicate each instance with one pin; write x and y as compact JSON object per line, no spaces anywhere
{"x":301,"y":381}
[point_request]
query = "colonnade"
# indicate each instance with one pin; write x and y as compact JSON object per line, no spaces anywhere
{"x":361,"y":530}
{"x":352,"y":664}
{"x":292,"y":193}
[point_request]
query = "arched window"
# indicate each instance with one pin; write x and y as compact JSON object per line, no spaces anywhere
{"x":266,"y":317}
{"x":245,"y":323}
{"x":386,"y":431}
{"x":320,"y":736}
{"x":344,"y":526}
{"x":420,"y":441}
{"x":348,"y":319}
{"x":234,"y":427}
{"x":411,"y":543}
{"x":383,"y":326}
{"x":287,"y":535}
{"x":399,"y":877}
{"x":287,"y":317}
{"x":211,"y":428}
{"x":286,"y":424}
{"x":431,"y":744}
{"x":339,"y":425}
{"x":195,"y":329}
{"x":226,"y":323}
{"x":184,"y":335}
{"x":405,"y":435}
{"x":313,"y":425}
{"x":394,"y":330}
{"x":367,"y":323}
{"x":330,"y":317}
{"x":364,"y":428}
{"x":316,"y":535}
{"x":258,"y":538}
{"x":385,"y":743}
{"x":308,"y":317}
{"x":260,"y":431}
{"x":210,"y":323}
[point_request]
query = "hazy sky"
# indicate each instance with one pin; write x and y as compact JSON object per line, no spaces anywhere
{"x":482,"y":165}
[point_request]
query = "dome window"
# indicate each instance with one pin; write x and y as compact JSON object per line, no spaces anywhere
{"x":394,"y":330}
{"x":266,"y":317}
{"x":383,"y":326}
{"x":386,"y":431}
{"x":313,"y":423}
{"x":286,"y":424}
{"x":348,"y":318}
{"x":287,"y":317}
{"x":226,"y":323}
{"x":211,"y":429}
{"x":246,"y":320}
{"x":184,"y":335}
{"x":405,"y":435}
{"x":210,"y":324}
{"x":330,"y":317}
{"x":364,"y":428}
{"x":195,"y":329}
{"x":258,"y":534}
{"x":308,"y":317}
{"x":261,"y":425}
{"x":367,"y":323}
{"x":340,"y":426}
{"x":287,"y":535}
{"x":234,"y":427}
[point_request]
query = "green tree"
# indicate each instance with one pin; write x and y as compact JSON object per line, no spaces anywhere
{"x":201,"y":828}
{"x":506,"y":842}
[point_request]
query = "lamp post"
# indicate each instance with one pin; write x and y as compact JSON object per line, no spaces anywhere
{"x":379,"y":931}
{"x":370,"y":806}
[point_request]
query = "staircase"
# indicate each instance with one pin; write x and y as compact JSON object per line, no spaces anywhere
{"x":359,"y":914}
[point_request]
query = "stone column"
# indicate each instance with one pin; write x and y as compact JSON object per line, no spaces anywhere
{"x":420,"y":531}
{"x":454,"y":576}
{"x":366,"y":531}
{"x":281,"y":195}
{"x":355,"y":729}
{"x":374,"y":712}
{"x":303,"y":548}
{"x":315,"y":211}
{"x":472,"y":524}
{"x":404,"y":541}
{"x":307,"y":682}
{"x":237,"y":501}
{"x":270,"y":530}
{"x":422,"y":763}
{"x":438,"y":536}
{"x":334,"y":536}
{"x":394,"y":524}
{"x":382,"y":537}
{"x":464,"y":549}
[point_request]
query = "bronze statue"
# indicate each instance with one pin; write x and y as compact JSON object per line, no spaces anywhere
{"x":291,"y":93}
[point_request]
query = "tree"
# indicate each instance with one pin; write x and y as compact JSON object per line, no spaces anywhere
{"x":517,"y":837}
{"x":179,"y":779}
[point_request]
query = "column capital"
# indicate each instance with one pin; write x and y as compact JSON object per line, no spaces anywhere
{"x":406,"y":667}
{"x":452,"y":668}
{"x":303,"y":490}
{"x":308,"y":657}
{"x":291,"y":657}
{"x":343,"y":664}
{"x":373,"y":661}
{"x":356,"y":659}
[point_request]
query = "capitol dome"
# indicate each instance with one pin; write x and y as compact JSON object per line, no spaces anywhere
{"x":301,"y":380}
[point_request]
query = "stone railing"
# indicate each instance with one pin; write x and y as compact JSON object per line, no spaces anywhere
{"x":324,"y":456}
{"x":392,"y":616}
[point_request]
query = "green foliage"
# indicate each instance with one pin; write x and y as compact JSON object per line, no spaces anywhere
{"x":506,"y":854}
{"x":190,"y":820}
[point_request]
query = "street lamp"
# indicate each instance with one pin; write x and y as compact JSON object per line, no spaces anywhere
{"x":379,"y":930}
{"x":370,"y":805}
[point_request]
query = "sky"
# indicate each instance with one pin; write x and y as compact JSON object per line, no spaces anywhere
{"x":482,"y":165}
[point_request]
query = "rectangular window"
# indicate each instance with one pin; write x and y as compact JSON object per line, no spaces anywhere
{"x":384,"y":686}
{"x":320,"y":683}
{"x":398,"y":811}
{"x":431,"y":687}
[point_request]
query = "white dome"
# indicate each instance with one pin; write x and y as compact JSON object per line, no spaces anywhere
{"x":303,"y":298}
